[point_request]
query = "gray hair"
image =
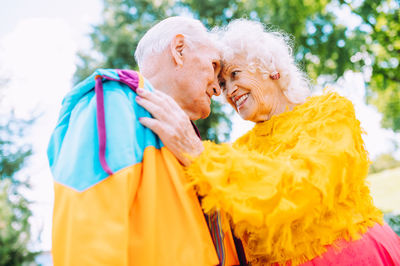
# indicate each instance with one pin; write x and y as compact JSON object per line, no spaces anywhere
{"x":266,"y":51}
{"x":159,"y":36}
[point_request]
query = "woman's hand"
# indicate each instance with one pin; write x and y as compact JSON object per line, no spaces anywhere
{"x":171,"y":124}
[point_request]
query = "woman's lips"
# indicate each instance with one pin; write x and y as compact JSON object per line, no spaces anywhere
{"x":241,"y":100}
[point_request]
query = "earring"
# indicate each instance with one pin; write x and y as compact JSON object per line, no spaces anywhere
{"x":275,"y":75}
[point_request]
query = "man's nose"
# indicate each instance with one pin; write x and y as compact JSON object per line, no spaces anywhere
{"x":216,"y":89}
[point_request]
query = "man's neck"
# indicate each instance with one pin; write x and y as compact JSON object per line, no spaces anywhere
{"x":158,"y":78}
{"x":162,"y":84}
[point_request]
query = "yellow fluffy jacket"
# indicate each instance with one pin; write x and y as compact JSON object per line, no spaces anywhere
{"x":293,"y":184}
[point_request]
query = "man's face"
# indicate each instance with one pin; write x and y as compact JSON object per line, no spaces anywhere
{"x":198,"y":80}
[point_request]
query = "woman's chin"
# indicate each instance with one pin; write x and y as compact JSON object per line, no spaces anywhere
{"x":250,"y":117}
{"x":244,"y":116}
{"x":243,"y":112}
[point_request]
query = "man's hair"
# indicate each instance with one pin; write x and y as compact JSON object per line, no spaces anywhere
{"x":159,"y":36}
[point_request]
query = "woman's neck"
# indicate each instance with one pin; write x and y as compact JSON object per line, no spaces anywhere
{"x":281,"y":105}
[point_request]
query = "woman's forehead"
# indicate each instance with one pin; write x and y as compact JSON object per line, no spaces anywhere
{"x":237,"y":61}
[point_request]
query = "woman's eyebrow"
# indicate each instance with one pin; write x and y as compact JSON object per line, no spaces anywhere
{"x":226,"y":68}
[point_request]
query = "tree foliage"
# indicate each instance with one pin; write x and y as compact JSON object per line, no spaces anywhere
{"x":323,"y":45}
{"x":381,"y":19}
{"x":12,"y":154}
{"x":14,"y":226}
{"x":393,"y":221}
{"x":14,"y":208}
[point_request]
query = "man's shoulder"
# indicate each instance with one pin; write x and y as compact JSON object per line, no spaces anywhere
{"x":88,"y":121}
{"x":131,"y":78}
{"x":113,"y":82}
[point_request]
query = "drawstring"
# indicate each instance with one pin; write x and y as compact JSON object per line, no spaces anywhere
{"x":101,"y":124}
{"x":129,"y":78}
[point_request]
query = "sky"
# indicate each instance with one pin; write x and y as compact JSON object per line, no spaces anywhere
{"x":38,"y":44}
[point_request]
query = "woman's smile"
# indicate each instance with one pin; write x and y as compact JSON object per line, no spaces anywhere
{"x":240,"y":100}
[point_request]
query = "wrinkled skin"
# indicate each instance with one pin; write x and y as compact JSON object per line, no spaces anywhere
{"x":264,"y":96}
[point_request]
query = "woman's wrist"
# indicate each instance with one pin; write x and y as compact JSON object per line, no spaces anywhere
{"x":189,"y":155}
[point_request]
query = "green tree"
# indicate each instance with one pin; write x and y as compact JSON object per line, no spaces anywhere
{"x":321,"y":45}
{"x":115,"y":39}
{"x":393,"y":221}
{"x":14,"y":227}
{"x":381,"y":19}
{"x":14,"y":208}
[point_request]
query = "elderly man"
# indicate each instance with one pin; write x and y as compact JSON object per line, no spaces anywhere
{"x":120,"y":195}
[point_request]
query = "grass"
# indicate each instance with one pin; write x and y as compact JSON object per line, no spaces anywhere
{"x":385,"y":189}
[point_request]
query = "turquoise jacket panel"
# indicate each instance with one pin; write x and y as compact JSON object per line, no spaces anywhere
{"x":73,"y":151}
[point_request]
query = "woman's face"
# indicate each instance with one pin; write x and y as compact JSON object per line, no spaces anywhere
{"x":253,"y":96}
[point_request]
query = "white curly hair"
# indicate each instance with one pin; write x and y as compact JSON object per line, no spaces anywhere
{"x":267,"y":51}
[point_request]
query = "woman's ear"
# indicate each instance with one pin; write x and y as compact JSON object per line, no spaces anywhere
{"x":176,"y":47}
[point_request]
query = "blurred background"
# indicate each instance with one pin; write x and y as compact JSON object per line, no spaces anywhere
{"x":46,"y":46}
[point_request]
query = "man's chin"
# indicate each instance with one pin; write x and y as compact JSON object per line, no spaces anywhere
{"x":202,"y":115}
{"x":207,"y":114}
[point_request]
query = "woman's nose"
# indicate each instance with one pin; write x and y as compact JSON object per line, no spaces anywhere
{"x":230,"y":90}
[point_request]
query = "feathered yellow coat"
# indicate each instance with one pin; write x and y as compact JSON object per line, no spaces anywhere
{"x":293,"y":184}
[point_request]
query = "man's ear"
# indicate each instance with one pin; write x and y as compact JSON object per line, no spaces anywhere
{"x":177,"y":46}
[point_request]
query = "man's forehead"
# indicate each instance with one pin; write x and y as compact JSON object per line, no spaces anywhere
{"x":212,"y":50}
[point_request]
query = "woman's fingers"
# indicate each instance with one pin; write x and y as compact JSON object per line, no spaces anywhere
{"x":155,"y":110}
{"x":161,"y":99}
{"x":170,"y":123}
{"x":151,"y":123}
{"x":150,"y":96}
{"x":166,"y":98}
{"x":168,"y":139}
{"x":161,"y":106}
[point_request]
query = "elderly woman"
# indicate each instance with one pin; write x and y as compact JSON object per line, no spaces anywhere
{"x":294,"y":187}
